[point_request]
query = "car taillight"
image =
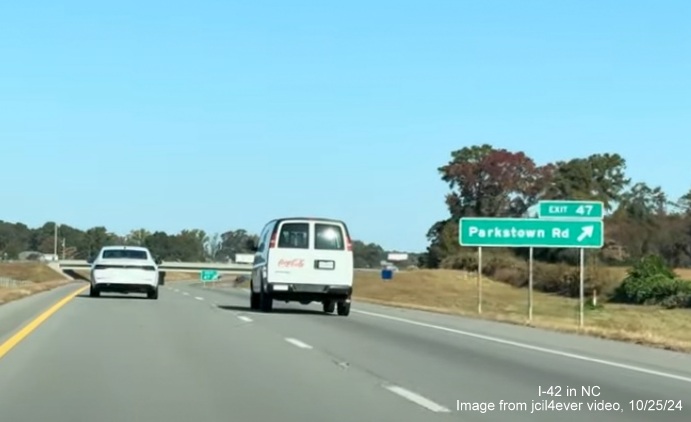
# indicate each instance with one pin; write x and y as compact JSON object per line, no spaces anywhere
{"x":272,"y":242}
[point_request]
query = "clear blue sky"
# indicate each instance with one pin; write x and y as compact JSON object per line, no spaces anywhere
{"x":224,"y":114}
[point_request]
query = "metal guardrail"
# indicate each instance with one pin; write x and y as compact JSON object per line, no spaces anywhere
{"x":10,"y":283}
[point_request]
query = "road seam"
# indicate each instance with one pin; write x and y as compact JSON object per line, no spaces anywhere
{"x":531,"y":347}
{"x":417,"y":399}
{"x":298,"y":343}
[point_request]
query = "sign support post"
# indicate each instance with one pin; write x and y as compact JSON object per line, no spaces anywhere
{"x":479,"y":280}
{"x":581,"y":317}
{"x":530,"y":284}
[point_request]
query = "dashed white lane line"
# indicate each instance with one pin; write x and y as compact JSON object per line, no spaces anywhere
{"x":298,"y":343}
{"x":417,"y":399}
{"x":199,"y":298}
{"x":185,"y":293}
{"x":244,"y":318}
{"x":176,"y":290}
{"x":526,"y":346}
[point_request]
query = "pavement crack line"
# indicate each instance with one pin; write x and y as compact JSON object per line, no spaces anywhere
{"x":387,"y":384}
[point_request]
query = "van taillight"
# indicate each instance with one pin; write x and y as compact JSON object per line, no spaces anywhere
{"x":272,"y":242}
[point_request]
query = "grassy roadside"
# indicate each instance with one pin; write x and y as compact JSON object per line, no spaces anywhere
{"x":18,"y":280}
{"x":422,"y":289}
{"x":455,"y":293}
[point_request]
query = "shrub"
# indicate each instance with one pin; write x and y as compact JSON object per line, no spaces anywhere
{"x":651,"y":282}
{"x":559,"y":279}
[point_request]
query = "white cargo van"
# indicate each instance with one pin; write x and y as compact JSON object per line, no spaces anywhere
{"x":303,"y":260}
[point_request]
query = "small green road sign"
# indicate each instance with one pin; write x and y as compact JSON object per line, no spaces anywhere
{"x":571,"y":209}
{"x":208,"y":275}
{"x":531,"y":232}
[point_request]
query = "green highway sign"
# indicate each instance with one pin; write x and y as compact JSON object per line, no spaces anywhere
{"x":208,"y":275}
{"x":571,"y":209}
{"x":531,"y":232}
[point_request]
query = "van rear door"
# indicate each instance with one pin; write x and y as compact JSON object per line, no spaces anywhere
{"x":311,"y":252}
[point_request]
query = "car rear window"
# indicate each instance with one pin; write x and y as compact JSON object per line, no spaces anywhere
{"x":294,"y":235}
{"x":329,"y":237}
{"x":124,"y":254}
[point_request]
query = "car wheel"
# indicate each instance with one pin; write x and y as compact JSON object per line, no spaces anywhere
{"x":329,"y":306}
{"x":343,"y":308}
{"x":152,"y":294}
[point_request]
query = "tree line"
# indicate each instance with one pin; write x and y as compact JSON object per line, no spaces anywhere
{"x":17,"y":241}
{"x":484,"y":181}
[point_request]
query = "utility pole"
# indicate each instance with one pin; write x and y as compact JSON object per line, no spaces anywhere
{"x":55,"y":241}
{"x":63,"y":248}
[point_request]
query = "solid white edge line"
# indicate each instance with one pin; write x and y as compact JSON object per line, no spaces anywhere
{"x":244,"y":318}
{"x":199,"y":298}
{"x":417,"y":399}
{"x":530,"y":347}
{"x":298,"y":343}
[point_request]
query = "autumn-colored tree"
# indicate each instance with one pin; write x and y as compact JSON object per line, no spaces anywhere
{"x":486,"y":182}
{"x":490,"y":182}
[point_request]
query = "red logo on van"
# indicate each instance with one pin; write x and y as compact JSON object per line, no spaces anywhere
{"x":291,"y":263}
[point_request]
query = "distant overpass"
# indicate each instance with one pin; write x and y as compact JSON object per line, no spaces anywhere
{"x":174,"y":267}
{"x":184,"y":267}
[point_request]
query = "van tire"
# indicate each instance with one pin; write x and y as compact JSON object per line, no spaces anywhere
{"x":254,"y":300}
{"x":265,"y":301}
{"x":343,"y":308}
{"x":329,"y":306}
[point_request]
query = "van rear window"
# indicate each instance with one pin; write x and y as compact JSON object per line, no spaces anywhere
{"x":294,"y":236}
{"x":329,"y":237}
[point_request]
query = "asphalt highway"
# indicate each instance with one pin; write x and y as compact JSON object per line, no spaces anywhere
{"x":199,"y":354}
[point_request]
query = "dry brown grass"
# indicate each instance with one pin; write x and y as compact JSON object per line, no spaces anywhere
{"x":29,"y":271}
{"x":27,"y":289}
{"x":33,"y":277}
{"x":173,"y":276}
{"x":455,"y":292}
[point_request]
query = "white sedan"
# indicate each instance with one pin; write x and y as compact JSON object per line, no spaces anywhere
{"x":124,"y":269}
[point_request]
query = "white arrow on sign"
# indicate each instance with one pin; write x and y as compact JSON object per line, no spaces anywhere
{"x":586,"y":231}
